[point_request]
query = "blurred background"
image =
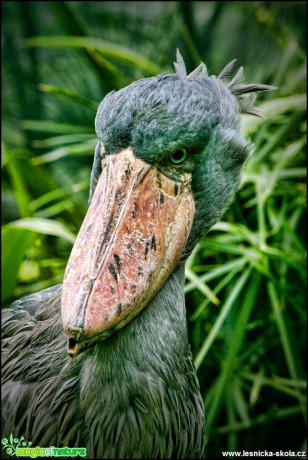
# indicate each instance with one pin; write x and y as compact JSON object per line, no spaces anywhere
{"x":246,"y":280}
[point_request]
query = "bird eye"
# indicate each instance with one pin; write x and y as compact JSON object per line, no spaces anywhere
{"x":178,"y":157}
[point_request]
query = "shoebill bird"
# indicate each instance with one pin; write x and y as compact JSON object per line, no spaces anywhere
{"x":103,"y":360}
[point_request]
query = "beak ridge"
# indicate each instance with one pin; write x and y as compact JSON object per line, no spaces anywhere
{"x":130,"y":241}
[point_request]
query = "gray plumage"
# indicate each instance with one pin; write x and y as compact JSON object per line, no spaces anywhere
{"x":135,"y":395}
{"x":115,"y":399}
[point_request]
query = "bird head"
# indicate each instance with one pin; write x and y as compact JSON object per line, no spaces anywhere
{"x":168,"y":161}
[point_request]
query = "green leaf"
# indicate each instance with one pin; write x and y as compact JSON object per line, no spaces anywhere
{"x":83,"y":148}
{"x":15,"y":165}
{"x":274,"y":109}
{"x":45,"y":126}
{"x":118,"y":52}
{"x":225,"y":309}
{"x":287,"y":346}
{"x":216,"y":272}
{"x":70,"y":95}
{"x":44,"y":226}
{"x":15,"y":242}
{"x":63,"y":140}
{"x":230,"y":361}
{"x":262,"y":419}
{"x":202,"y":286}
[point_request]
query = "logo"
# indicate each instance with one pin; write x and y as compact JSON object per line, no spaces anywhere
{"x":10,"y":445}
{"x":22,"y":448}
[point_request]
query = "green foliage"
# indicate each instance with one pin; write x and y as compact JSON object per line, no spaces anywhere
{"x":120,"y":53}
{"x":257,"y":261}
{"x":15,"y":244}
{"x":246,"y":280}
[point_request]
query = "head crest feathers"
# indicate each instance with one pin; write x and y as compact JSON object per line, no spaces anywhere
{"x":245,"y":93}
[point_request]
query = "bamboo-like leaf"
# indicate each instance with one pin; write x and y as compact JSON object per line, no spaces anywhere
{"x":64,"y":139}
{"x":277,"y":310}
{"x":67,"y":93}
{"x":240,"y":403}
{"x":270,"y":415}
{"x":15,"y":242}
{"x":104,"y":69}
{"x":224,"y":282}
{"x":232,"y":435}
{"x":45,"y":126}
{"x":55,"y":209}
{"x":118,"y":52}
{"x":287,"y":386}
{"x":275,"y":139}
{"x":225,"y":309}
{"x":84,"y":148}
{"x":58,"y":194}
{"x":229,"y":364}
{"x":14,"y":165}
{"x":274,"y":109}
{"x":236,"y":229}
{"x":288,"y":349}
{"x":44,"y":226}
{"x":202,"y":286}
{"x":258,"y":382}
{"x":216,"y":272}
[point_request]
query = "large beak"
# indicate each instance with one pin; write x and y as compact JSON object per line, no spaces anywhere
{"x":129,"y":243}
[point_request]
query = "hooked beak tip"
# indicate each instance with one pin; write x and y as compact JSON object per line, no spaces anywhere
{"x":73,"y":348}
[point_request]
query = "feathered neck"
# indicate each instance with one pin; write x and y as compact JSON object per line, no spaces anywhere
{"x":138,"y":385}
